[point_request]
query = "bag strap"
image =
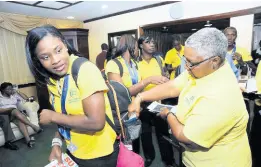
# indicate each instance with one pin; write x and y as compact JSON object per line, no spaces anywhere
{"x":119,"y":65}
{"x":117,"y":109}
{"x":75,"y":70}
{"x":76,"y":67}
{"x":110,"y":123}
{"x":158,"y":59}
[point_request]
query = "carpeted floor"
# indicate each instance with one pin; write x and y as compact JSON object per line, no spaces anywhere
{"x":38,"y":156}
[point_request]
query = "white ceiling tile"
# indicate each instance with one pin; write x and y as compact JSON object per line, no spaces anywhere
{"x":82,"y":11}
{"x":28,"y":2}
{"x":52,"y":4}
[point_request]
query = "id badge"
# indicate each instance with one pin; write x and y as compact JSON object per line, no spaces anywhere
{"x":128,"y":146}
{"x":71,"y":147}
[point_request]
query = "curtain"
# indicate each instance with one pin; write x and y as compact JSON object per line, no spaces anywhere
{"x":13,"y":31}
{"x":256,"y":36}
{"x":13,"y":65}
{"x":20,"y":24}
{"x":163,"y":40}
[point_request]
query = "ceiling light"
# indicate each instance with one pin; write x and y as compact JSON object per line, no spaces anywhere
{"x":104,"y":6}
{"x":208,"y":24}
{"x":70,"y":17}
{"x":194,"y":29}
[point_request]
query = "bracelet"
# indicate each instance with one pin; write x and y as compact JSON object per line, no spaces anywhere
{"x":57,"y":142}
{"x":139,"y":96}
{"x":169,"y":113}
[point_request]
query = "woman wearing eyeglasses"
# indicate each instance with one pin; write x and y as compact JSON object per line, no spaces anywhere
{"x":210,"y":126}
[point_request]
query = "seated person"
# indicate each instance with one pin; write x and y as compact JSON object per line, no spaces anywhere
{"x":8,"y":133}
{"x":9,"y":100}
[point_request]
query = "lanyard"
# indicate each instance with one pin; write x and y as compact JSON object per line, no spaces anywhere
{"x":65,"y":132}
{"x":133,"y":72}
{"x":234,"y":50}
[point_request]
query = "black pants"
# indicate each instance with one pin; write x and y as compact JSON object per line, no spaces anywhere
{"x":255,"y":140}
{"x":161,"y":127}
{"x":106,"y":161}
{"x":6,"y":127}
{"x":136,"y":145}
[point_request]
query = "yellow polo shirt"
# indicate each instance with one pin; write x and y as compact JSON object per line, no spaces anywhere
{"x":214,"y":116}
{"x":112,"y":67}
{"x":258,"y":78}
{"x":148,"y":69}
{"x":93,"y":145}
{"x":173,"y":59}
{"x":246,"y":56}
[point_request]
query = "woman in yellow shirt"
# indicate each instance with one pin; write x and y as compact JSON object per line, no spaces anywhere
{"x":79,"y":110}
{"x":210,"y":126}
{"x":126,"y":53}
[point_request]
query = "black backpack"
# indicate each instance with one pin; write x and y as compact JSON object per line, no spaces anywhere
{"x":122,"y":92}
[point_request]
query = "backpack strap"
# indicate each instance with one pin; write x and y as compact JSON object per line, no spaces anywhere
{"x":119,"y":65}
{"x":75,"y":70}
{"x":110,"y":123}
{"x":117,"y":111}
{"x":159,"y":61}
{"x":76,"y":67}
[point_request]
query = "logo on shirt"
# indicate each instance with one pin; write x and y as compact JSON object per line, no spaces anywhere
{"x":189,"y":100}
{"x":73,"y":96}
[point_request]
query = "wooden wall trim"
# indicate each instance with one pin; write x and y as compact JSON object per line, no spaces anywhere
{"x":26,"y":85}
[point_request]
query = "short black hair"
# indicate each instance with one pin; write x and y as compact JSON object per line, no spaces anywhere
{"x":104,"y":46}
{"x":231,"y":28}
{"x":176,"y":38}
{"x":142,"y":39}
{"x":4,"y":85}
{"x":34,"y":36}
{"x":126,"y":43}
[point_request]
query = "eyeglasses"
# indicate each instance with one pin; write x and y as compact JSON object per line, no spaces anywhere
{"x":191,"y":65}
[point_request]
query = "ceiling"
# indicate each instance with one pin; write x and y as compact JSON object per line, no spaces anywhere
{"x":187,"y":28}
{"x":80,"y":10}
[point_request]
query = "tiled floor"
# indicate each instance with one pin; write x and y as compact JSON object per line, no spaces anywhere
{"x":38,"y":156}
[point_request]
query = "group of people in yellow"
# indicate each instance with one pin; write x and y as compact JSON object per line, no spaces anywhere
{"x":210,"y":126}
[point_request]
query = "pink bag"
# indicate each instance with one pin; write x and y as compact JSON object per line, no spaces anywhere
{"x":127,"y":158}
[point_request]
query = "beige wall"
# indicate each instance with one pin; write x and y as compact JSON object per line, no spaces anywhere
{"x":29,"y":91}
{"x":98,"y":30}
{"x":244,"y":26}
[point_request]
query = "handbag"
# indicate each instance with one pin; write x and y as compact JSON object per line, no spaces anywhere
{"x":126,"y":157}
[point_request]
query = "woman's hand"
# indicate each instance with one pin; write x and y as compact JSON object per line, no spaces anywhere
{"x":157,"y":80}
{"x":163,"y":112}
{"x":237,"y":56}
{"x":56,"y":154}
{"x":46,"y":116}
{"x":134,"y":107}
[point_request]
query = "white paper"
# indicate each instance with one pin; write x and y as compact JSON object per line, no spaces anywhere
{"x":156,"y":107}
{"x":67,"y":162}
{"x":251,"y":85}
